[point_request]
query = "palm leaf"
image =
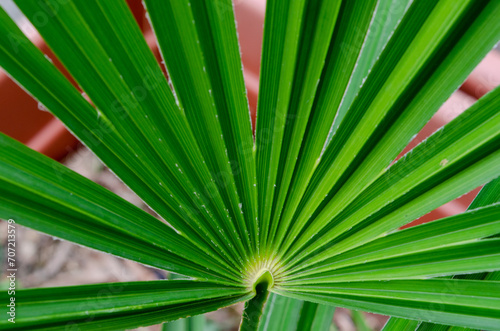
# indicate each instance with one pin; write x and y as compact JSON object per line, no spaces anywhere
{"x":58,"y":201}
{"x":457,"y":302}
{"x":489,"y":194}
{"x":117,"y":305}
{"x":309,"y":209}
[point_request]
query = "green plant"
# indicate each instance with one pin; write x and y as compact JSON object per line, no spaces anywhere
{"x":286,"y":213}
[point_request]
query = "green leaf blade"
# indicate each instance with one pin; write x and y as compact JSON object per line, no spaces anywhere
{"x":44,"y":195}
{"x":455,"y":302}
{"x":117,"y":305}
{"x":199,"y":46}
{"x":340,"y":195}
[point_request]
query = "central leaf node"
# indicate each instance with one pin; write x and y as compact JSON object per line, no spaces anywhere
{"x":264,"y":281}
